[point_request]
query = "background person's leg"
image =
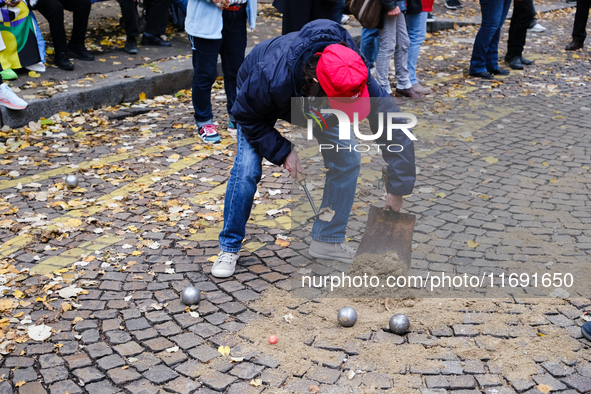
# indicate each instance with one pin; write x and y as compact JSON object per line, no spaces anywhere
{"x":387,"y":48}
{"x":370,"y":43}
{"x":81,"y":11}
{"x":232,"y":52}
{"x":492,"y":58}
{"x":581,"y":17}
{"x":417,"y":31}
{"x":129,"y":15}
{"x":242,"y":186}
{"x":53,"y":11}
{"x":205,"y":60}
{"x":340,"y":185}
{"x":401,"y":54}
{"x":491,"y":13}
{"x":523,"y":13}
{"x":157,"y":17}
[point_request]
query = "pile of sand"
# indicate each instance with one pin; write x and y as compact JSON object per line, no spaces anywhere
{"x":316,"y":322}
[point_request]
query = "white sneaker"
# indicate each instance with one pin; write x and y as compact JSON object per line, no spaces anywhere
{"x":538,"y":28}
{"x":39,"y":67}
{"x":225,"y":265}
{"x":345,"y":19}
{"x":9,"y":99}
{"x":342,"y":252}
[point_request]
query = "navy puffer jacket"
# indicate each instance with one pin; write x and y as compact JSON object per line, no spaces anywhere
{"x":268,"y":80}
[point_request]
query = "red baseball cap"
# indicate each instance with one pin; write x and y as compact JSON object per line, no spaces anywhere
{"x":343,"y":76}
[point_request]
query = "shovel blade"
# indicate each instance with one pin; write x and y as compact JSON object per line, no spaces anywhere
{"x":388,"y":231}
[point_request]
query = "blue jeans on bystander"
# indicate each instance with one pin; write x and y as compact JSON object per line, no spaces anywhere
{"x":339,"y":190}
{"x":416,"y":26}
{"x":370,"y":45}
{"x":485,"y":54}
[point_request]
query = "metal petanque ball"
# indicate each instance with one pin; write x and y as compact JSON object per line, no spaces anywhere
{"x":191,"y":296}
{"x":399,"y":324}
{"x":347,"y":316}
{"x":72,"y":181}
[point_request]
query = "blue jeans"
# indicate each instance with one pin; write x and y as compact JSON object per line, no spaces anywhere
{"x":485,"y":55}
{"x":416,"y":26}
{"x":370,"y":45}
{"x":231,"y":48}
{"x":339,"y":189}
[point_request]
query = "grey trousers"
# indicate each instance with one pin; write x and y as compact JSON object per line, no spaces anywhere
{"x":393,"y":41}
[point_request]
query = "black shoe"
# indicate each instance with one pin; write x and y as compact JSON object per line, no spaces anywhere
{"x":574,"y":45}
{"x":156,"y":41}
{"x":483,"y":75}
{"x":500,"y":71}
{"x":131,"y":46}
{"x":80,"y":52}
{"x":516,"y":64}
{"x":63,"y":61}
{"x":526,"y":62}
{"x":431,"y":17}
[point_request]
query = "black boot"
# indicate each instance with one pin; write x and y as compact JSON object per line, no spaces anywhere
{"x":516,"y":64}
{"x":63,"y":61}
{"x":526,"y":62}
{"x":155,"y":41}
{"x":574,"y":45}
{"x":131,"y":46}
{"x":80,"y":52}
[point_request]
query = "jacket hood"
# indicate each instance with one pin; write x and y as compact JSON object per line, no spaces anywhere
{"x":316,"y":32}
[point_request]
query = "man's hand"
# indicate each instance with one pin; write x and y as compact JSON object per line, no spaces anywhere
{"x":221,"y":4}
{"x":292,"y":164}
{"x":394,"y":11}
{"x":393,"y":202}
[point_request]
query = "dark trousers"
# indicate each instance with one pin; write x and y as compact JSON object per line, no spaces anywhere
{"x":523,"y":13}
{"x":581,"y":17}
{"x":231,"y":48}
{"x":485,"y":53}
{"x":157,"y":17}
{"x":53,"y":11}
{"x":298,"y":13}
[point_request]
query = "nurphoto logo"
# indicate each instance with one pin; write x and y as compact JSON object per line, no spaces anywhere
{"x":392,"y":119}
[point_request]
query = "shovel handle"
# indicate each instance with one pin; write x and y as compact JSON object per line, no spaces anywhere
{"x":301,"y":178}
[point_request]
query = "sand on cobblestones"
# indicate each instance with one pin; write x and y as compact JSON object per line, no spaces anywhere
{"x":315,"y":321}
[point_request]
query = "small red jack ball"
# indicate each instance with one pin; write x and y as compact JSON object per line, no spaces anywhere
{"x":273,"y":339}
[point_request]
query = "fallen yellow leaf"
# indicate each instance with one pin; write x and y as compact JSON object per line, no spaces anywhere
{"x":19,"y":384}
{"x":491,"y":160}
{"x":6,"y":305}
{"x":224,"y":350}
{"x":18,"y":294}
{"x":34,"y":74}
{"x":212,"y":259}
{"x":544,"y":388}
{"x":554,"y":180}
{"x":277,"y":174}
{"x":473,"y":244}
{"x":440,"y":195}
{"x":545,"y":163}
{"x":142,"y":96}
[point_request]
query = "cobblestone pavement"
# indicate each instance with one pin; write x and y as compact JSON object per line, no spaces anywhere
{"x":102,"y":265}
